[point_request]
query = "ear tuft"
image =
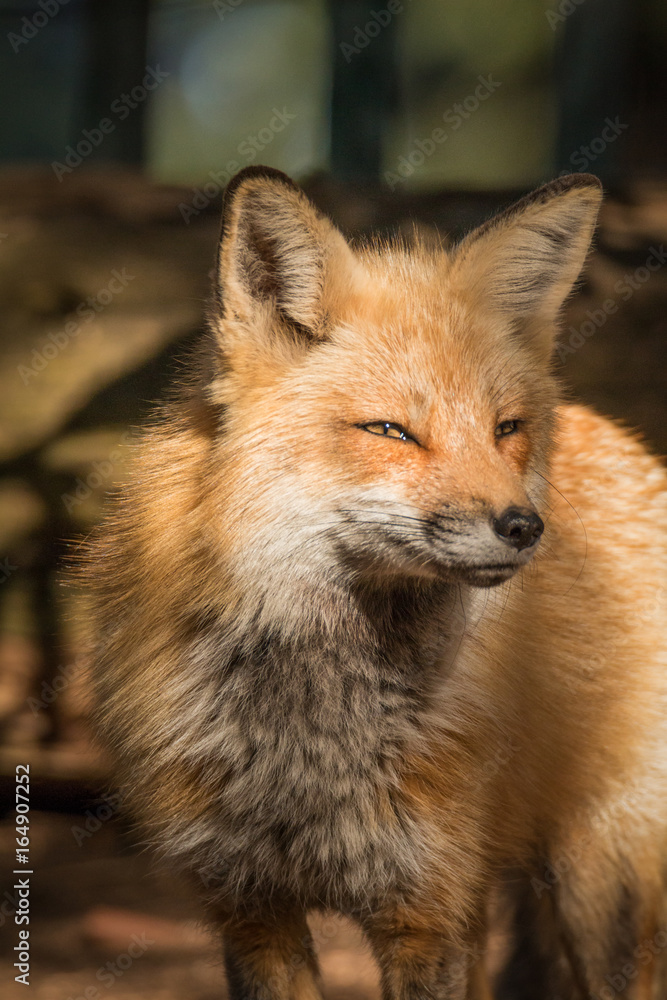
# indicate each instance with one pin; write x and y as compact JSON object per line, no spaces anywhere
{"x":275,"y":250}
{"x":525,"y":261}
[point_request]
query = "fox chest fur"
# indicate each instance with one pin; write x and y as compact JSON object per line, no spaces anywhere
{"x":294,"y":744}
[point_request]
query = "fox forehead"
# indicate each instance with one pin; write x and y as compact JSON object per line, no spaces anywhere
{"x":404,"y":293}
{"x":409,"y":338}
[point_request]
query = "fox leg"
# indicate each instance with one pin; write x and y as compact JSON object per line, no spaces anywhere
{"x":536,"y":965}
{"x":618,"y":950}
{"x":417,"y":963}
{"x":270,"y":960}
{"x":610,"y":914}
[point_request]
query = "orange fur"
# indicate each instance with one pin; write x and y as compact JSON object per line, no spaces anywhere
{"x":311,"y":680}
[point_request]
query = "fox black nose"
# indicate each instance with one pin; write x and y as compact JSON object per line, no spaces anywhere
{"x":519,"y":527}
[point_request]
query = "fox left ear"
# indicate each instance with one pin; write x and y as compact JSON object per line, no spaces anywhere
{"x":525,"y":261}
{"x":278,"y":254}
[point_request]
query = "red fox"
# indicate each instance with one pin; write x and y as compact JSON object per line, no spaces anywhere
{"x":380,"y":622}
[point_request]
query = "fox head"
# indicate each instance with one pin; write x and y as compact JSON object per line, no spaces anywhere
{"x":389,"y":409}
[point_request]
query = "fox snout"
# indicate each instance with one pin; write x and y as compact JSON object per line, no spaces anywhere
{"x":520,"y":527}
{"x":489,"y":548}
{"x":477,"y":545}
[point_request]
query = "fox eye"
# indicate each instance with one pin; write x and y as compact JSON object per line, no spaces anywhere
{"x":387,"y":430}
{"x":507,"y":427}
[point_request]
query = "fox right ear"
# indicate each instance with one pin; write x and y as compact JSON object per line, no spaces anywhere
{"x":276,"y":252}
{"x":525,"y":261}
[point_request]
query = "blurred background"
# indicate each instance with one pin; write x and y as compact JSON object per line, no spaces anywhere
{"x":121,"y":123}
